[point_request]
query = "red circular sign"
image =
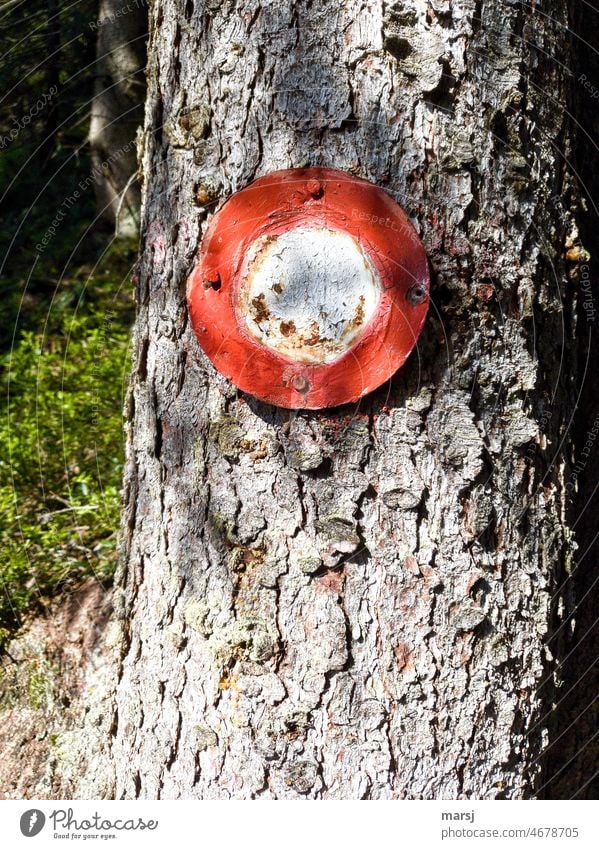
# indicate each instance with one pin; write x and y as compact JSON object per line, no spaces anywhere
{"x":311,"y":288}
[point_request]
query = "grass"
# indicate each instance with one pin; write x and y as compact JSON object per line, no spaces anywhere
{"x":61,"y":442}
{"x":64,"y":319}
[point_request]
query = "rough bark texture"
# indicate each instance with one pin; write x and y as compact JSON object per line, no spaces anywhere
{"x":43,"y":693}
{"x":117,"y":111}
{"x":356,"y":603}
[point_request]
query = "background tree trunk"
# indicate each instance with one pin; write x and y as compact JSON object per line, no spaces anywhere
{"x":117,"y":111}
{"x":357,"y":603}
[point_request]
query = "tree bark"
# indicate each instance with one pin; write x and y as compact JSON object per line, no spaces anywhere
{"x":357,"y":603}
{"x":117,"y":111}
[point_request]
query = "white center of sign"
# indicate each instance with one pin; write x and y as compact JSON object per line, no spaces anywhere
{"x":308,"y":293}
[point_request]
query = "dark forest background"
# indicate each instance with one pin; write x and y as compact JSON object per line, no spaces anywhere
{"x":66,"y":310}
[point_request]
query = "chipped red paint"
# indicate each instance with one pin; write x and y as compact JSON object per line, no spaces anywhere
{"x":315,"y":198}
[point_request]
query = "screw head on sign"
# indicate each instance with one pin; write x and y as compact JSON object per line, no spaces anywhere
{"x":317,"y":269}
{"x":211,"y":279}
{"x":314,"y":187}
{"x":300,"y":383}
{"x":417,"y":294}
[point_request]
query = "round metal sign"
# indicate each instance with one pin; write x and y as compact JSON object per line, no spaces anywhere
{"x":311,"y":288}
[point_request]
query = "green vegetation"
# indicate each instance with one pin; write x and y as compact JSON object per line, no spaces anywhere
{"x":65,"y":313}
{"x":61,"y":438}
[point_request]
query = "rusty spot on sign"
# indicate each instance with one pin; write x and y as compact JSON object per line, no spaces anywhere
{"x":358,"y":318}
{"x":261,"y":311}
{"x":287,"y":328}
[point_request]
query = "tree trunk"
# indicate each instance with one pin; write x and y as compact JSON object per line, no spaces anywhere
{"x":356,"y":603}
{"x":117,"y":111}
{"x":51,"y":121}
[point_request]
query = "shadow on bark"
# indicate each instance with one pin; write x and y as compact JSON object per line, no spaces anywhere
{"x":572,"y":756}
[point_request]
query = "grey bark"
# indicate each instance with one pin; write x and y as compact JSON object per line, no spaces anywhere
{"x":355,"y":603}
{"x":43,"y":697}
{"x":117,"y":111}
